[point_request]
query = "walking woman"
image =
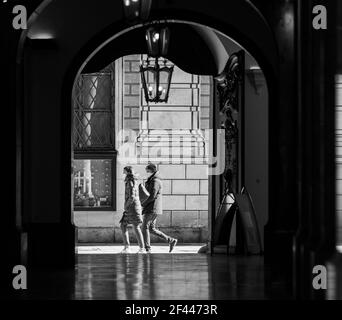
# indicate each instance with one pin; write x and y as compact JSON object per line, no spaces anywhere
{"x":132,"y":213}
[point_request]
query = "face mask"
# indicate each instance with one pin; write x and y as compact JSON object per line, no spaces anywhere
{"x":149,"y":174}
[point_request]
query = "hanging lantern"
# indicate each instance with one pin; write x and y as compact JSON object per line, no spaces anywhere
{"x":156,"y":79}
{"x":137,"y":9}
{"x":157,"y":40}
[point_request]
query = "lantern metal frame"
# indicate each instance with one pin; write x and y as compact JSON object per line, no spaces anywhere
{"x":156,"y":70}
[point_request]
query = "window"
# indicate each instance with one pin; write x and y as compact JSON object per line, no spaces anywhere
{"x":94,"y":147}
{"x":93,"y":112}
{"x":93,"y":184}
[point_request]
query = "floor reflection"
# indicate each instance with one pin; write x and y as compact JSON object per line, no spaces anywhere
{"x":165,"y":276}
{"x":169,"y":276}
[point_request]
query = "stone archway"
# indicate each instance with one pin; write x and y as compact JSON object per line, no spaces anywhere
{"x":291,"y":174}
{"x":63,"y":60}
{"x":189,"y":218}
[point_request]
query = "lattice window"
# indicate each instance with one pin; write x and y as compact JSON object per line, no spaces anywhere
{"x":93,"y":112}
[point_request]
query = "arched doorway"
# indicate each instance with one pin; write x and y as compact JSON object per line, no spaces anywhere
{"x":189,"y":213}
{"x":292,"y":121}
{"x":69,"y":56}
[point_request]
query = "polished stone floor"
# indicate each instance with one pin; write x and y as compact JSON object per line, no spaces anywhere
{"x":169,"y":276}
{"x":189,"y":276}
{"x":182,"y":275}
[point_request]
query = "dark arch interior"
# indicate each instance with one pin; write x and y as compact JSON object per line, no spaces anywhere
{"x":195,"y":49}
{"x":202,"y":54}
{"x":255,"y":36}
{"x":78,"y":31}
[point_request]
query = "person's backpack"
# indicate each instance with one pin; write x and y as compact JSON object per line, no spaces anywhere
{"x":143,"y":193}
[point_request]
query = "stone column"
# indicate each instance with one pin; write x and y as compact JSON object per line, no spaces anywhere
{"x":282,"y":221}
{"x":339,"y":157}
{"x":315,"y":238}
{"x":335,"y":265}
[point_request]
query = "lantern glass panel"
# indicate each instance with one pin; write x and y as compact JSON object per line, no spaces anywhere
{"x":164,"y":77}
{"x":156,"y":76}
{"x":151,"y":83}
{"x":164,"y":84}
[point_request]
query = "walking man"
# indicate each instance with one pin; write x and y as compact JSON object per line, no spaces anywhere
{"x":152,"y":207}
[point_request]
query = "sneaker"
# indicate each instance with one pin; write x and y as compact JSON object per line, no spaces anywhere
{"x":126,"y":250}
{"x":172,"y":244}
{"x":141,"y":250}
{"x":148,"y":251}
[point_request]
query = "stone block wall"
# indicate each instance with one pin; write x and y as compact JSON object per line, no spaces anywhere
{"x":185,"y":201}
{"x":131,"y":97}
{"x":205,"y":95}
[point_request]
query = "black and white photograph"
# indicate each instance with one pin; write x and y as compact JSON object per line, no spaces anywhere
{"x":186,"y":152}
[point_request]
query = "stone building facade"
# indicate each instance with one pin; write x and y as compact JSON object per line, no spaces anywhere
{"x":174,"y":136}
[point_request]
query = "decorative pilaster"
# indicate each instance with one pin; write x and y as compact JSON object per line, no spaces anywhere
{"x":172,"y":131}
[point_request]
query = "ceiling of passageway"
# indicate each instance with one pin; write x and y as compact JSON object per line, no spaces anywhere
{"x":195,"y":49}
{"x":82,"y":27}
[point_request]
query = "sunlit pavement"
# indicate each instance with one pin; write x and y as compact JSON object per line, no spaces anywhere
{"x":156,"y":248}
{"x":117,"y":248}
